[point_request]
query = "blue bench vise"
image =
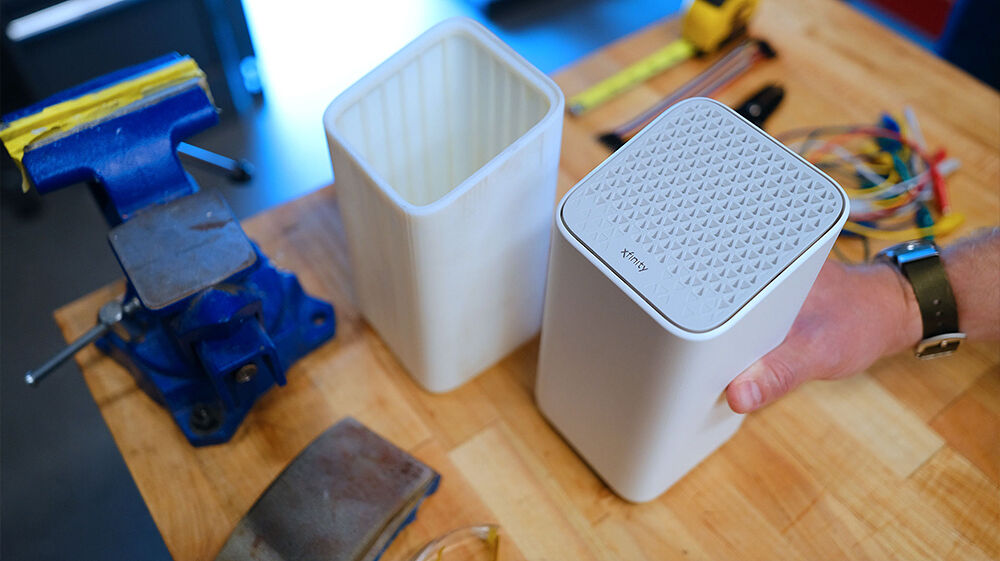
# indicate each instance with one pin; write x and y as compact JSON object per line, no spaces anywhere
{"x":207,"y":324}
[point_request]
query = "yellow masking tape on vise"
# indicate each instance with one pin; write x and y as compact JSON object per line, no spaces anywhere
{"x":65,"y":116}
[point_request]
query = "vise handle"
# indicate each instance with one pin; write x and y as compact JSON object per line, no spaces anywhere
{"x":110,"y":314}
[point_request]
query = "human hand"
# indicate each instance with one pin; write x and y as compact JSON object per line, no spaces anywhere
{"x":852,"y":316}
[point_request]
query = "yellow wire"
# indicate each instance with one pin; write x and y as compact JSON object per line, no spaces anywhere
{"x":877,"y":190}
{"x":894,"y":202}
{"x":879,"y":168}
{"x":945,"y":226}
{"x":904,"y":131}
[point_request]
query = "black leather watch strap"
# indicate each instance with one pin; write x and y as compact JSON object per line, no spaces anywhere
{"x":933,"y":292}
{"x":920,"y":262}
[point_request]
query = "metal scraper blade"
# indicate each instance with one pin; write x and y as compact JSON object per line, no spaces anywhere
{"x":344,"y":498}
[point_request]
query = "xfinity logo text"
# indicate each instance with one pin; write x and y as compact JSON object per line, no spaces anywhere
{"x":631,"y":258}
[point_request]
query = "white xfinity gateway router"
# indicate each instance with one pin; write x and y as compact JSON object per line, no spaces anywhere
{"x":675,"y":264}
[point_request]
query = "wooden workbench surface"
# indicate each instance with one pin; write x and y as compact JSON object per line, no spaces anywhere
{"x":902,"y":461}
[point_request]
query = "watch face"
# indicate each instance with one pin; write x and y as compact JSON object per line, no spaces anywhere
{"x":914,"y":250}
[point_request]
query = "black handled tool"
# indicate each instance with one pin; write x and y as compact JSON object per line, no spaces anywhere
{"x":759,"y":106}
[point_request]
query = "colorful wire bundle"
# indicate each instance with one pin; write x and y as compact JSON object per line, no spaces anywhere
{"x":896,"y":186}
{"x":731,"y":66}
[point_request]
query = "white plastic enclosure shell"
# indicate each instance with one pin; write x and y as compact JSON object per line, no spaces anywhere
{"x":632,"y":367}
{"x":445,"y":159}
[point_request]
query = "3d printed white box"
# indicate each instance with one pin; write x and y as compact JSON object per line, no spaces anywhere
{"x":445,"y":160}
{"x":675,"y":264}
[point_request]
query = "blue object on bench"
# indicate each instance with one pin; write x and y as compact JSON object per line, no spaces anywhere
{"x":212,"y":324}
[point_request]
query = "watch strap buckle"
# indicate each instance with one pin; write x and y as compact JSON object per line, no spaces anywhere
{"x":938,"y":345}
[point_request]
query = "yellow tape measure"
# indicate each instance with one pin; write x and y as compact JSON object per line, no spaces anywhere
{"x":707,"y":24}
{"x":667,"y":57}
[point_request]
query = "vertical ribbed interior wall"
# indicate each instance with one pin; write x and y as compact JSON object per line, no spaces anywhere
{"x":444,"y":115}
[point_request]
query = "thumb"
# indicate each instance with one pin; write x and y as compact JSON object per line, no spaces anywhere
{"x":771,"y":377}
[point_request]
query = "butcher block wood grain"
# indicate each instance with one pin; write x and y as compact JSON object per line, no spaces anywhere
{"x":899,"y":462}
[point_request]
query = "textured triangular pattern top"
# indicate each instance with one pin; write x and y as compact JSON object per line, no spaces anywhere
{"x":700,"y":211}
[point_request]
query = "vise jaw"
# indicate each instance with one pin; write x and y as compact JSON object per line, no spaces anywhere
{"x":218,"y":325}
{"x":210,"y":324}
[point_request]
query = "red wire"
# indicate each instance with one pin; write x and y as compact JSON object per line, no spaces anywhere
{"x":938,"y":181}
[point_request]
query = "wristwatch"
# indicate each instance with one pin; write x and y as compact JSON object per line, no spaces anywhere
{"x":920,"y":263}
